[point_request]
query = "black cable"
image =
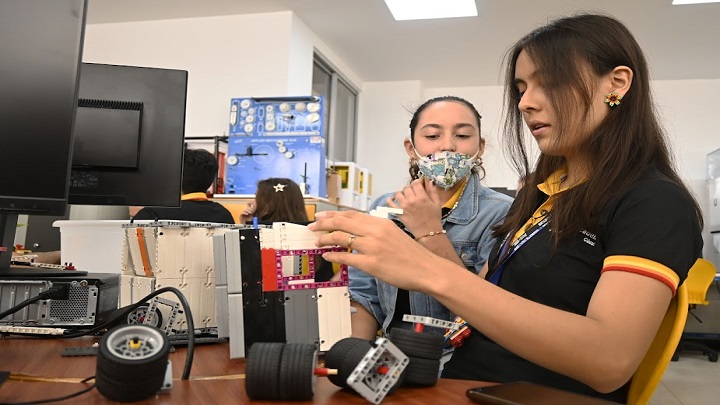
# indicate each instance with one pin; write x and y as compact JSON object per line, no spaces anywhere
{"x":20,"y":306}
{"x":45,"y":401}
{"x":51,"y":293}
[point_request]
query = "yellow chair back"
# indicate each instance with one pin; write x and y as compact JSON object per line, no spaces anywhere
{"x":651,"y":369}
{"x":700,"y":277}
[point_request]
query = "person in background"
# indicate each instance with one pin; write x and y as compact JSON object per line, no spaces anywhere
{"x":595,"y":244}
{"x":446,"y":210}
{"x":279,"y":199}
{"x":199,"y":170}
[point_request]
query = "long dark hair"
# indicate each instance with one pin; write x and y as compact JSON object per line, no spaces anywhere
{"x":287,"y":205}
{"x":624,"y":147}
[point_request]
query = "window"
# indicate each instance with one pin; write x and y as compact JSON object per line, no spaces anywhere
{"x":340,"y":110}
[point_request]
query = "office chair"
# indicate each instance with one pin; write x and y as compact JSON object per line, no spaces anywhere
{"x":653,"y":365}
{"x":699,"y":279}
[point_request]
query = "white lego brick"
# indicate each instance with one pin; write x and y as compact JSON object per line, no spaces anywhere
{"x":126,"y":265}
{"x":126,"y":286}
{"x":171,"y":252}
{"x":136,"y":288}
{"x":289,"y":236}
{"x":434,"y":322}
{"x":134,"y":245}
{"x":236,"y":324}
{"x":267,"y":238}
{"x":384,"y":212}
{"x":333,"y":315}
{"x":200,"y":294}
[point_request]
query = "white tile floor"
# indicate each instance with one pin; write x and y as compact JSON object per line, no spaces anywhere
{"x":692,"y":380}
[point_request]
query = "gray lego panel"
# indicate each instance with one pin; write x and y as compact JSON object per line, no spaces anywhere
{"x":301,"y":316}
{"x":219,"y":261}
{"x":232,"y":252}
{"x":223,"y":317}
{"x":236,"y":323}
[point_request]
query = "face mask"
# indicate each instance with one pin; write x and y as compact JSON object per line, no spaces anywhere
{"x":446,"y":169}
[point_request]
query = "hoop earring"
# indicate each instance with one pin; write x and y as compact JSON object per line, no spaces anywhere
{"x":613,"y":99}
{"x":479,"y":169}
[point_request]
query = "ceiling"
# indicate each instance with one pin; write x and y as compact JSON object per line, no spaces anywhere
{"x":681,"y":42}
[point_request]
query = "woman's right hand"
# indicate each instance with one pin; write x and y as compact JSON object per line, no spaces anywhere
{"x":421,"y":205}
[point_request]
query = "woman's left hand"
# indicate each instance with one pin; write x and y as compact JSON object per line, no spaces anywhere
{"x":383,"y":250}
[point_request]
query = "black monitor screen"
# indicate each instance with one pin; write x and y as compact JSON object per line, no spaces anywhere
{"x":40,"y":52}
{"x":129,"y":136}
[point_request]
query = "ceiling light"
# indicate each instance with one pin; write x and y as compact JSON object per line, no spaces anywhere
{"x":427,"y":9}
{"x":679,"y":2}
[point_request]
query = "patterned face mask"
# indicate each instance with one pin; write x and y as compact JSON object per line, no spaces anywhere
{"x":446,"y":169}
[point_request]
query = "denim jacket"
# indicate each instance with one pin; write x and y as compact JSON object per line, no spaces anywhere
{"x":469,"y":229}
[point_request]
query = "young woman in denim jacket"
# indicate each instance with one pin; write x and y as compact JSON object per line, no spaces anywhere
{"x":445,"y":208}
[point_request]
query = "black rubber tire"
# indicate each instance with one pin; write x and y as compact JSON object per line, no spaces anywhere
{"x":262,"y":371}
{"x":418,"y":345}
{"x":421,"y":372}
{"x":297,"y":372}
{"x":335,"y":358}
{"x":353,"y":358}
{"x":127,"y":374}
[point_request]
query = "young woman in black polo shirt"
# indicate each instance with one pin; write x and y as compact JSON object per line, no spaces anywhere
{"x":597,"y":241}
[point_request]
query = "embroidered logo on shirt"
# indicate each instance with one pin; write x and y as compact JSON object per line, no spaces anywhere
{"x":590,"y":238}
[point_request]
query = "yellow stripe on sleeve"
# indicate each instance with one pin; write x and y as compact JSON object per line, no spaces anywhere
{"x":646,"y":267}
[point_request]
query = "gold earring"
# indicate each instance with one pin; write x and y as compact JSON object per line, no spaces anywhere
{"x":613,"y":99}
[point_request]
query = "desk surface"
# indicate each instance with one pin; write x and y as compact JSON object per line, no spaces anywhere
{"x":41,"y":358}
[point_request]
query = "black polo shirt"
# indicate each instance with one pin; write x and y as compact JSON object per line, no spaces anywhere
{"x":189,"y":210}
{"x":651,"y":230}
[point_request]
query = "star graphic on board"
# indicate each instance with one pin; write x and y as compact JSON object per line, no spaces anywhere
{"x":279,"y":187}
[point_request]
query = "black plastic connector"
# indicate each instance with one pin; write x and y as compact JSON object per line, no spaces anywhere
{"x":56,"y":292}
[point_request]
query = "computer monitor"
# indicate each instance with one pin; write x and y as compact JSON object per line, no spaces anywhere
{"x":129,"y":136}
{"x":40,"y":55}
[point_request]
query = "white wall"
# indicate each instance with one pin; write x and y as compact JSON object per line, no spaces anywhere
{"x":383,"y":118}
{"x":689,"y":112}
{"x":258,"y":55}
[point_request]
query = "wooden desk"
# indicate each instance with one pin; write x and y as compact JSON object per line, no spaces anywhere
{"x":40,"y":357}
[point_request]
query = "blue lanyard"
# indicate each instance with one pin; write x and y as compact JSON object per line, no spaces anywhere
{"x":509,"y":249}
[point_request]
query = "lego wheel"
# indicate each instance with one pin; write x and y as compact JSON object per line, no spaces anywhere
{"x":422,"y":372}
{"x":131,"y":363}
{"x":140,"y":313}
{"x":262,"y":371}
{"x":344,"y":356}
{"x":297,"y":377}
{"x":418,"y":345}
